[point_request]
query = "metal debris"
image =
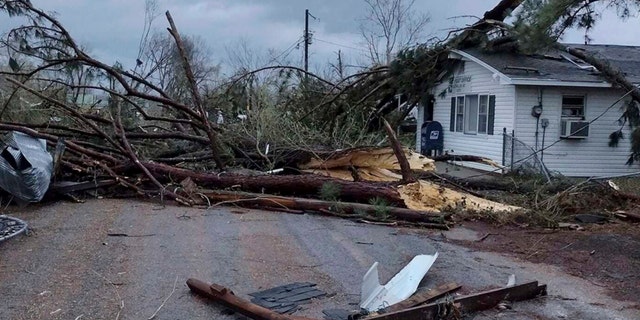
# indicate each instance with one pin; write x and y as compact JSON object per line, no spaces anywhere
{"x":375,"y":296}
{"x":11,"y":227}
{"x":25,"y":166}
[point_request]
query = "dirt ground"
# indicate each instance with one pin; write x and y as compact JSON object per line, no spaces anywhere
{"x":607,"y":255}
{"x":70,"y":267}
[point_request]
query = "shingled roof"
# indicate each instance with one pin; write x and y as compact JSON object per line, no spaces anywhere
{"x":555,"y":65}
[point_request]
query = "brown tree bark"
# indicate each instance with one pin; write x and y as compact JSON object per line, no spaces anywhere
{"x":405,"y":168}
{"x":262,"y":200}
{"x":612,"y":74}
{"x":286,"y":185}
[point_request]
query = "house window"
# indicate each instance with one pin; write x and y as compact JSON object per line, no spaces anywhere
{"x":573,"y":106}
{"x":483,"y":114}
{"x":460,"y":114}
{"x":472,"y":114}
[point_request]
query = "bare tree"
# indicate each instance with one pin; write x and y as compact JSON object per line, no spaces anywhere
{"x":390,"y":25}
{"x":164,"y":65}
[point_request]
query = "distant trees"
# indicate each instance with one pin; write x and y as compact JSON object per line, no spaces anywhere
{"x":390,"y":25}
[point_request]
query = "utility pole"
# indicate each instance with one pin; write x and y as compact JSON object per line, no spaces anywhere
{"x":306,"y":40}
{"x":340,"y":71}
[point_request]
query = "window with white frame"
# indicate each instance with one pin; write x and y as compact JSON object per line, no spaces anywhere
{"x":459,"y":114}
{"x":573,"y":106}
{"x":473,"y":114}
{"x":483,"y":114}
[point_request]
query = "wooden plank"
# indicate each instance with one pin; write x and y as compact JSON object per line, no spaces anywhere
{"x":470,"y":303}
{"x":424,"y":296}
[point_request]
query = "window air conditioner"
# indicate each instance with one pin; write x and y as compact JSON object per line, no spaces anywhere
{"x":574,"y":129}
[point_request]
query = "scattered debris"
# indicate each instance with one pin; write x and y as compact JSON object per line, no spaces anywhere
{"x":424,"y":297}
{"x":469,"y":303}
{"x":367,"y":163}
{"x":286,"y":298}
{"x":338,"y":314}
{"x":130,"y":235}
{"x":153,"y":316}
{"x":375,"y":296}
{"x":11,"y":227}
{"x":344,"y":209}
{"x":484,"y":237}
{"x":65,"y":187}
{"x":570,"y":226}
{"x":394,"y":301}
{"x":25,"y":166}
{"x":590,"y":218}
{"x":227,"y":298}
{"x":628,"y":215}
{"x":428,"y":196}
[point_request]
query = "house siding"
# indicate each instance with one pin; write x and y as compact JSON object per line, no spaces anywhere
{"x":482,"y":82}
{"x":575,"y":157}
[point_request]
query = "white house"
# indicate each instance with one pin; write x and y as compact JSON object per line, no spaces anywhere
{"x":554,"y":104}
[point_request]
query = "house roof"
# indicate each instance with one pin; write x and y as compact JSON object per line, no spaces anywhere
{"x":559,"y":67}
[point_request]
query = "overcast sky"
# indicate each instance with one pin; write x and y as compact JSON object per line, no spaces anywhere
{"x":111,"y":28}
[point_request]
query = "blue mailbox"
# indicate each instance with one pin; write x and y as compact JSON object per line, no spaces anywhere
{"x":431,"y":138}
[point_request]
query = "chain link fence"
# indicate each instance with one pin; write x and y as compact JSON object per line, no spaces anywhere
{"x":519,"y":157}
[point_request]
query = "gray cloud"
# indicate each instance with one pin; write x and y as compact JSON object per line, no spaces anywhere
{"x":111,"y":28}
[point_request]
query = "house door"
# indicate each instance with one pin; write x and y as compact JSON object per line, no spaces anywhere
{"x":428,"y":108}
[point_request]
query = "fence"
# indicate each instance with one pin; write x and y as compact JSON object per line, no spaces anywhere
{"x":519,"y":157}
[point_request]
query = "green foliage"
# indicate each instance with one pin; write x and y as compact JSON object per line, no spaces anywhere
{"x":630,"y":117}
{"x":635,"y":147}
{"x":615,"y":137}
{"x":540,"y":23}
{"x":329,"y":191}
{"x":381,"y":205}
{"x":415,"y":70}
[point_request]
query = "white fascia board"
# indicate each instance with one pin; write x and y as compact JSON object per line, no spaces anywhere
{"x":558,"y":83}
{"x":503,"y":78}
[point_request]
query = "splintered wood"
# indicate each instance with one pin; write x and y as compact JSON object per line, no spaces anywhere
{"x":428,"y":196}
{"x":367,"y":164}
{"x":376,"y":164}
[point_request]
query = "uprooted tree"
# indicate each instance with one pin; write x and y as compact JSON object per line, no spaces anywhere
{"x":157,"y":130}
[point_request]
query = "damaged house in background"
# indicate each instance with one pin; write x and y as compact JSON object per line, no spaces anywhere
{"x":525,"y":110}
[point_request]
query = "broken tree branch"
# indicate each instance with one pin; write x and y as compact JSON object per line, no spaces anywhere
{"x":405,"y":168}
{"x":348,"y":208}
{"x":211,"y":134}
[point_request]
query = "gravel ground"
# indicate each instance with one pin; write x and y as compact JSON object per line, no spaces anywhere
{"x":69,"y":268}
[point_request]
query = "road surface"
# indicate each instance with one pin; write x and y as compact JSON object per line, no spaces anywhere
{"x":70,"y":268}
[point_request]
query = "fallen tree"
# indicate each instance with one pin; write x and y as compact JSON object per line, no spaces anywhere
{"x":344,"y":209}
{"x":146,"y":139}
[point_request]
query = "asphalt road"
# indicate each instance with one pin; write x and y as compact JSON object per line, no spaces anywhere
{"x":69,"y":268}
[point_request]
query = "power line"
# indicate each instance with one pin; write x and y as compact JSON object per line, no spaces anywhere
{"x":289,"y":49}
{"x":341,"y":45}
{"x":286,"y":51}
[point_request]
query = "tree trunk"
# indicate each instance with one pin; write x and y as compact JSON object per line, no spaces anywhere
{"x":612,"y":74}
{"x":309,"y":184}
{"x":405,"y":169}
{"x":350,"y":208}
